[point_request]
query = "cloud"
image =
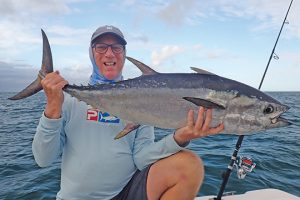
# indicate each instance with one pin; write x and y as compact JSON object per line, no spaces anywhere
{"x":176,"y":11}
{"x":16,"y":76}
{"x":20,"y":22}
{"x":17,"y":39}
{"x":198,"y":47}
{"x":137,"y":37}
{"x":165,"y":53}
{"x":36,"y":10}
{"x":11,"y":34}
{"x":210,"y":53}
{"x":77,"y":74}
{"x":293,"y":58}
{"x":268,"y":15}
{"x":27,"y":10}
{"x":68,"y":36}
{"x":129,"y":2}
{"x":66,"y":30}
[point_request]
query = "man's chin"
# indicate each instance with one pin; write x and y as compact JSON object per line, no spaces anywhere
{"x":111,"y":76}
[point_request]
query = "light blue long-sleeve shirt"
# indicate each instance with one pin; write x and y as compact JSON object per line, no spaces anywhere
{"x":94,"y":165}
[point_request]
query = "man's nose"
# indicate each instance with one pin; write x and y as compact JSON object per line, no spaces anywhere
{"x":109,"y":52}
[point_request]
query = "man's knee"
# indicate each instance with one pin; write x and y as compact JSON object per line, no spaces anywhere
{"x":184,"y":169}
{"x":190,"y":165}
{"x":189,"y":159}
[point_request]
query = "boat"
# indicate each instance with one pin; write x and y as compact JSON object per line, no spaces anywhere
{"x":261,"y":194}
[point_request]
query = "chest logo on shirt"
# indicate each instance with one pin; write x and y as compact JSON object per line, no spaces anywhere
{"x":99,"y":116}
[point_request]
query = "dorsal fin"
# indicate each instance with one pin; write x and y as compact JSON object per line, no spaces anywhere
{"x":146,"y":70}
{"x":201,"y":71}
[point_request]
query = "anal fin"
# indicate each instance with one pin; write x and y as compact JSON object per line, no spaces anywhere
{"x":128,"y":128}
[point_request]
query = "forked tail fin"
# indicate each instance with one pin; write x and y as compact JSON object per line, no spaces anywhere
{"x":47,"y":67}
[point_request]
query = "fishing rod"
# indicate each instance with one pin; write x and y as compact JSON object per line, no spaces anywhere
{"x":241,"y":137}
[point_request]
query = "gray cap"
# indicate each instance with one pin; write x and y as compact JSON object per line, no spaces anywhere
{"x":108,"y":29}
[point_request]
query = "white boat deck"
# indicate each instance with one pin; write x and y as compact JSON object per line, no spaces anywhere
{"x":263,"y":194}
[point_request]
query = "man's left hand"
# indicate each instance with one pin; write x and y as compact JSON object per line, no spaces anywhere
{"x":199,"y":128}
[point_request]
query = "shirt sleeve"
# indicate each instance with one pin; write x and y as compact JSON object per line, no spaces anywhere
{"x":146,"y":151}
{"x":48,"y":141}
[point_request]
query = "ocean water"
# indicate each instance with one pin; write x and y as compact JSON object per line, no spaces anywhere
{"x":276,"y":153}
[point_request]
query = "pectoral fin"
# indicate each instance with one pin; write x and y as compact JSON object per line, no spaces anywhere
{"x":128,"y":128}
{"x":204,"y":103}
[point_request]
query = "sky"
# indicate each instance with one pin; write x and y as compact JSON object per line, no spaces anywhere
{"x":230,"y":38}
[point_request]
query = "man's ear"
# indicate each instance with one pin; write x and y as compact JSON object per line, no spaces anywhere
{"x":124,"y":58}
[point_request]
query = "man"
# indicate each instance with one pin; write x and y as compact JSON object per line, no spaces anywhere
{"x":94,"y":165}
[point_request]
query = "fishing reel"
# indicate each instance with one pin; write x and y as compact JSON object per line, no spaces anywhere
{"x":243,"y":166}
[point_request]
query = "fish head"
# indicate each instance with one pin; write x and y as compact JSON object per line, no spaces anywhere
{"x":270,"y":114}
{"x":251,"y":114}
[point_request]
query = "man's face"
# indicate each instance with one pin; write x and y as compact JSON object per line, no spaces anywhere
{"x":110,"y":63}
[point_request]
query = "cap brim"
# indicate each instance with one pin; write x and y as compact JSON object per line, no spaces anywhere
{"x":123,"y":41}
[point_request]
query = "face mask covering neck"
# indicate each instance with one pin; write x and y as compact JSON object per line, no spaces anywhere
{"x":97,"y":77}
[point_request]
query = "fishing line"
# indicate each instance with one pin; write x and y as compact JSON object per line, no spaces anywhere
{"x":241,"y":137}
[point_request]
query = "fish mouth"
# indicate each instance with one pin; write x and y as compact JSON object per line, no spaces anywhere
{"x":280,"y":121}
{"x":286,"y":108}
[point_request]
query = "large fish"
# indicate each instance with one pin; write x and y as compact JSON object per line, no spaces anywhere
{"x":163,"y":99}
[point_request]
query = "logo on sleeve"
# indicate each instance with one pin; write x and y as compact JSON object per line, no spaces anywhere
{"x":99,"y":116}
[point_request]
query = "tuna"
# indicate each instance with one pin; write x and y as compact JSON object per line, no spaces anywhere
{"x":163,"y":99}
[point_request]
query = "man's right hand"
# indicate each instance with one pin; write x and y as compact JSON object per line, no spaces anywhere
{"x":52,"y":85}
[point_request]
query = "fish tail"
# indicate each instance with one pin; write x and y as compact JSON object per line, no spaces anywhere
{"x":46,"y":68}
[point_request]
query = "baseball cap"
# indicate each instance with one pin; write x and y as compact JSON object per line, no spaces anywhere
{"x":108,"y":29}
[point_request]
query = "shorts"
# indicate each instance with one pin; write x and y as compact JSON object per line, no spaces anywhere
{"x":136,"y":187}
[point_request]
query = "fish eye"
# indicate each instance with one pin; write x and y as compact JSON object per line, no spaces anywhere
{"x":269,"y":109}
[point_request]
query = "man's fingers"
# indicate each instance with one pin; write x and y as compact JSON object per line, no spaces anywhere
{"x":200,"y":127}
{"x":190,"y":118}
{"x":208,"y":118}
{"x":199,"y":122}
{"x":61,"y":84}
{"x":52,"y":79}
{"x":215,"y":130}
{"x":53,"y":76}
